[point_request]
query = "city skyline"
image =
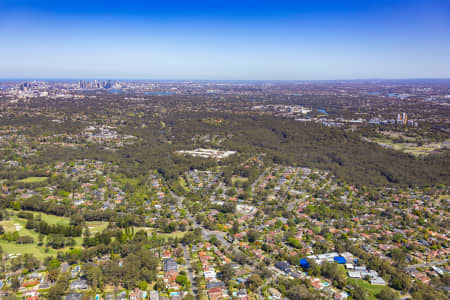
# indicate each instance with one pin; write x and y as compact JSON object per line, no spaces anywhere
{"x":225,"y":41}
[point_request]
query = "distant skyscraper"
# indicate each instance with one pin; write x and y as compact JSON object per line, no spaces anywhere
{"x":24,"y":86}
{"x":82,"y":84}
{"x":402,"y":119}
{"x":107,"y":84}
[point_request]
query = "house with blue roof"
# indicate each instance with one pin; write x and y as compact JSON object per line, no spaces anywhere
{"x":304,"y":263}
{"x":340,"y":260}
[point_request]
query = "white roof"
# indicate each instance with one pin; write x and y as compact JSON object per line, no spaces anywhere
{"x":349,"y":266}
{"x":210,"y":273}
{"x":353,"y":274}
{"x":327,"y":255}
{"x":319,"y":261}
{"x":378,"y":280}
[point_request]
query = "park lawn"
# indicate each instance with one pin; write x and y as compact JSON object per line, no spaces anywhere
{"x":10,"y":226}
{"x":39,"y":251}
{"x":33,"y":180}
{"x":50,"y":219}
{"x":96,"y":226}
{"x":176,"y":234}
{"x":419,"y":150}
{"x":372,"y":290}
{"x":415,"y":150}
{"x":125,"y":180}
{"x":235,"y":179}
{"x":149,"y":230}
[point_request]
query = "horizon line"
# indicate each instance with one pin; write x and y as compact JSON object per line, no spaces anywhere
{"x":219,"y":80}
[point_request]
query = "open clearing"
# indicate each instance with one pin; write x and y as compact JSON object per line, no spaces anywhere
{"x":410,"y":148}
{"x":50,"y":219}
{"x":33,"y":180}
{"x":239,"y":179}
{"x":96,"y":226}
{"x":397,"y":135}
{"x":15,"y":223}
{"x":38,"y":251}
{"x":372,"y":290}
{"x":176,"y":234}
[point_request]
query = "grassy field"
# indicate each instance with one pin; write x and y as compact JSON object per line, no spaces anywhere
{"x":95,"y":227}
{"x":235,"y":179}
{"x":176,"y":234}
{"x":124,"y":180}
{"x":13,"y":248}
{"x":33,"y":180}
{"x":372,"y":290}
{"x":411,"y":148}
{"x":17,"y":224}
{"x":50,"y":219}
{"x":12,"y":225}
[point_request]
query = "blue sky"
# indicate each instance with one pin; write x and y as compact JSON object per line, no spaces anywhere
{"x":266,"y":40}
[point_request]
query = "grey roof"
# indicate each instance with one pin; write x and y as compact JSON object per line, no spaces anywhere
{"x":154,"y":295}
{"x":283,"y":266}
{"x":170,"y":265}
{"x":215,"y":284}
{"x":109,"y":296}
{"x":79,"y":285}
{"x":74,"y":296}
{"x":377,"y":280}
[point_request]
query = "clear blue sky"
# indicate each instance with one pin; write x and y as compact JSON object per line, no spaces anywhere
{"x":225,"y":39}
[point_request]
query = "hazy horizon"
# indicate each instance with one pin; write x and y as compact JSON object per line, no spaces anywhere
{"x":225,"y":40}
{"x":219,"y":80}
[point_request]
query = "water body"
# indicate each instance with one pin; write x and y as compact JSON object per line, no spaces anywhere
{"x":113,"y":91}
{"x":158,"y":93}
{"x":400,"y":96}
